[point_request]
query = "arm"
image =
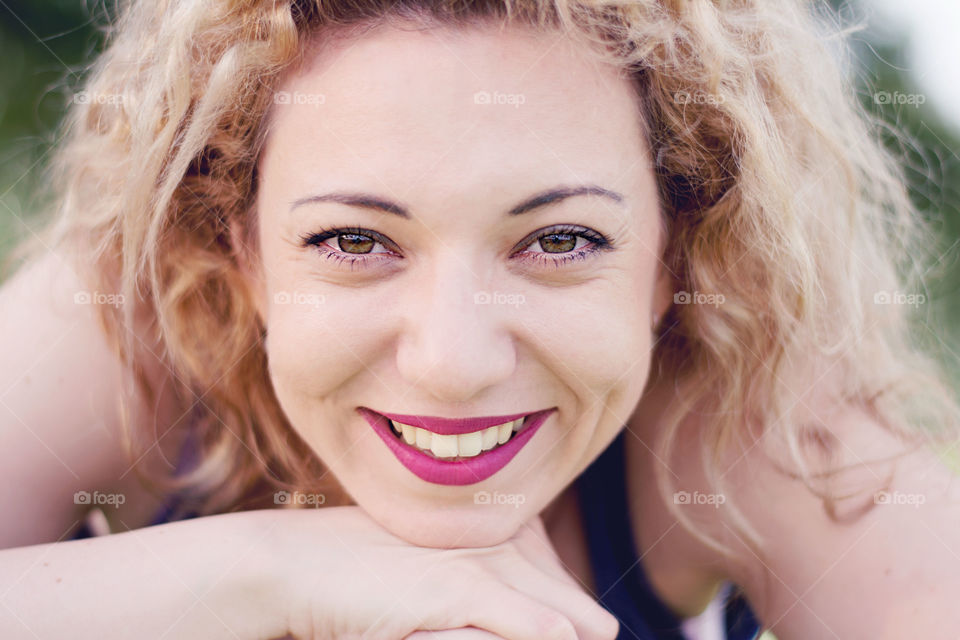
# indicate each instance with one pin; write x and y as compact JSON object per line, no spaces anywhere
{"x":191,"y":579}
{"x":310,"y":573}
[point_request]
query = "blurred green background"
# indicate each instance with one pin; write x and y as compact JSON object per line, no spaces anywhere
{"x":45,"y":44}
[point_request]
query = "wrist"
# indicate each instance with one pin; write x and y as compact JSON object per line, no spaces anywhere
{"x":300,"y":566}
{"x":237,"y":574}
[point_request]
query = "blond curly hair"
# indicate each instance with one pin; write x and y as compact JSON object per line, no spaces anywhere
{"x":774,"y":191}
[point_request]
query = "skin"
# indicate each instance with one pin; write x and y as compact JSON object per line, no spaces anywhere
{"x":402,"y":332}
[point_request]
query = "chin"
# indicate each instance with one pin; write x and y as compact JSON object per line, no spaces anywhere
{"x":454,"y":527}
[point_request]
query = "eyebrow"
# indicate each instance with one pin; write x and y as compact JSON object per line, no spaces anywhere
{"x":367,"y":201}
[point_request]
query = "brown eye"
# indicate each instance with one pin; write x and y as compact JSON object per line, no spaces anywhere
{"x":352,"y":243}
{"x":558,"y":242}
{"x":355,"y":243}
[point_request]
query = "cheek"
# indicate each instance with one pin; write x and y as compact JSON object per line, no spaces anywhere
{"x":314,"y":349}
{"x":326,"y":347}
{"x":598,"y":336}
{"x":305,"y":347}
{"x":317,"y":342}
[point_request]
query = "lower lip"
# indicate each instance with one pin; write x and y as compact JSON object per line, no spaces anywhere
{"x":455,"y":472}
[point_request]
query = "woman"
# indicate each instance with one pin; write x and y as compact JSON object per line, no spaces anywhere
{"x":429,"y":259}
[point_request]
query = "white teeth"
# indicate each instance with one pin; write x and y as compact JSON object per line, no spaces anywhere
{"x":488,"y":438}
{"x":464,"y":445}
{"x":423,"y":439}
{"x":443,"y":446}
{"x":468,"y":444}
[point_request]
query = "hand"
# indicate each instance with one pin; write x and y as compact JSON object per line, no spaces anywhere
{"x":342,"y":575}
{"x":454,"y":634}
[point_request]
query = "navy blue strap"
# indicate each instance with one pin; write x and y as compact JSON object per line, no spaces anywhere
{"x":740,"y":621}
{"x":621,"y":584}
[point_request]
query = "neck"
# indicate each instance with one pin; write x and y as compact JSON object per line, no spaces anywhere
{"x":684,"y":571}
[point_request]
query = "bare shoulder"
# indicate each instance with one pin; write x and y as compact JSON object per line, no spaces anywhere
{"x":883,"y":561}
{"x":61,"y":388}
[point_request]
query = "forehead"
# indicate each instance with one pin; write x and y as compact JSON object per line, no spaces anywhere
{"x":455,"y":104}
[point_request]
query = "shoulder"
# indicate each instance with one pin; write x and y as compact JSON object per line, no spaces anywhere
{"x":881,"y":559}
{"x":61,"y":418}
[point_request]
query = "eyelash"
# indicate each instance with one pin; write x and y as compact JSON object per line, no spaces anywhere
{"x":598,"y":243}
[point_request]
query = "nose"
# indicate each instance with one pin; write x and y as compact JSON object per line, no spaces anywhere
{"x":455,"y":344}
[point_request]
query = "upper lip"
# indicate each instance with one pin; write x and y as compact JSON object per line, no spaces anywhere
{"x":447,"y":426}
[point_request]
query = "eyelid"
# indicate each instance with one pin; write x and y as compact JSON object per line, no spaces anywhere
{"x":598,"y":242}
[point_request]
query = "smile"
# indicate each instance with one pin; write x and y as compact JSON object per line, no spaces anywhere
{"x":464,"y":445}
{"x":455,"y":451}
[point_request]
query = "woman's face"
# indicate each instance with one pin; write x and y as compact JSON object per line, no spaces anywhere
{"x":497,"y":259}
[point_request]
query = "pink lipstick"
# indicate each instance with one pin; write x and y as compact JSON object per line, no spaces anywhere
{"x":457,"y":471}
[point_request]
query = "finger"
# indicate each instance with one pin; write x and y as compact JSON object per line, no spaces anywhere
{"x":494,"y":606}
{"x":455,"y":634}
{"x":589,"y":618}
{"x":533,"y":542}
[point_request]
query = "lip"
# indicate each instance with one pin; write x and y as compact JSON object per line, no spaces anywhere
{"x":454,"y":472}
